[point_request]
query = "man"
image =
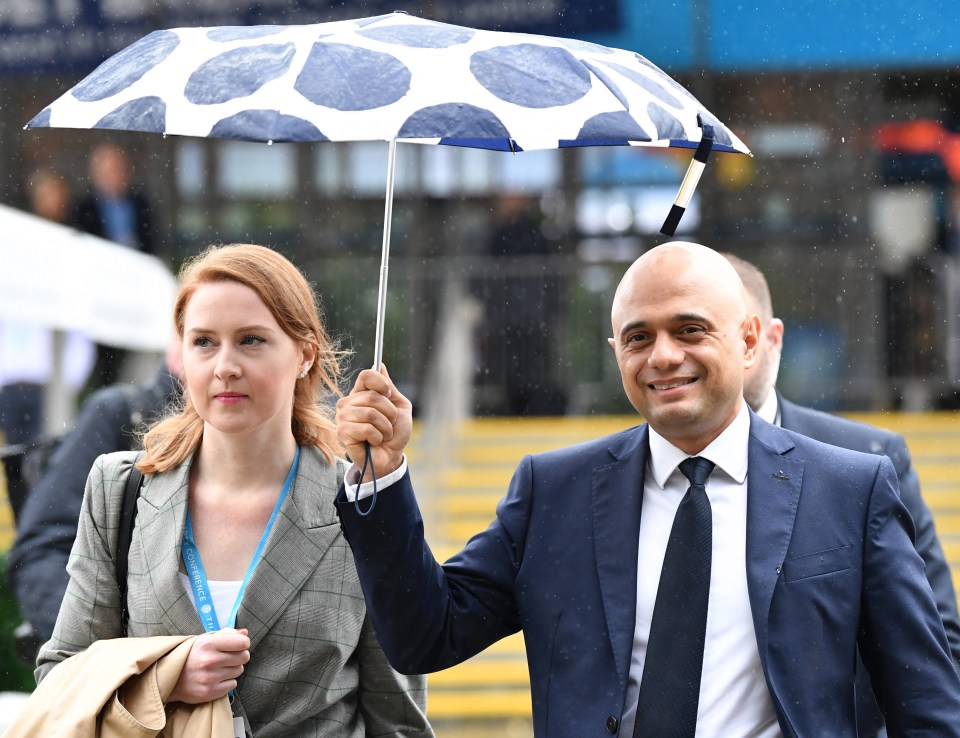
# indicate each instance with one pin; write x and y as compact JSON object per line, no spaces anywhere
{"x":769,"y":404}
{"x":112,"y":209}
{"x":522,"y":307}
{"x":47,"y":526}
{"x":806,"y":549}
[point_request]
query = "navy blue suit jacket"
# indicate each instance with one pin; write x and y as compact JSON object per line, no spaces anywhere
{"x":830,"y":565}
{"x":869,"y":439}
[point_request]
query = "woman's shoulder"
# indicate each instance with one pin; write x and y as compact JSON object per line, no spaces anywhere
{"x":322,"y":477}
{"x":314,"y":461}
{"x":116,"y":462}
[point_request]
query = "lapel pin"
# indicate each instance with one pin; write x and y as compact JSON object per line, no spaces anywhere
{"x":780,"y":475}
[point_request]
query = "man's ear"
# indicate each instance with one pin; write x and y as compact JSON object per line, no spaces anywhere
{"x":613,"y":343}
{"x":751,"y":338}
{"x":774,"y":334}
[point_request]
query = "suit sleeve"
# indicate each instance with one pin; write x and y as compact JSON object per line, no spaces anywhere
{"x":915,"y":680}
{"x":37,"y":563}
{"x":427,"y":616}
{"x":927,"y":544}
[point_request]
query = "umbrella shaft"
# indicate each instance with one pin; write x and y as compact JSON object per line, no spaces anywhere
{"x":385,"y":256}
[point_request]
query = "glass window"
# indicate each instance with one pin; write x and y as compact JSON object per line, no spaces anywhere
{"x":367,"y":172}
{"x":535,"y":171}
{"x":191,"y":167}
{"x":440,"y":170}
{"x":327,"y":168}
{"x":256,"y":169}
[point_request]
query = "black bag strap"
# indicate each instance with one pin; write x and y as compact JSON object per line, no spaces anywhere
{"x":128,"y":513}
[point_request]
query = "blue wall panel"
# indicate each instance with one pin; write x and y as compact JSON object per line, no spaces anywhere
{"x":815,"y":35}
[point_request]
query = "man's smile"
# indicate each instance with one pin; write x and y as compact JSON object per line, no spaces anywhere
{"x":659,"y":386}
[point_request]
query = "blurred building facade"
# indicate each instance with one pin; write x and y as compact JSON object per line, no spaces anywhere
{"x":849,"y":204}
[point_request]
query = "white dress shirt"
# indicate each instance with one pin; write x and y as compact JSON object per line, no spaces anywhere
{"x":770,"y":409}
{"x":223,"y":593}
{"x":366,"y":489}
{"x":734,"y":700}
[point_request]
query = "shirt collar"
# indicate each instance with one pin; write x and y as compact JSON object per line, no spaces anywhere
{"x":728,"y":451}
{"x":769,"y":410}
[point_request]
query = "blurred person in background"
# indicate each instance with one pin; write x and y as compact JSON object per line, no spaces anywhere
{"x":523,"y":304}
{"x":112,"y":208}
{"x":761,"y":394}
{"x":115,"y":210}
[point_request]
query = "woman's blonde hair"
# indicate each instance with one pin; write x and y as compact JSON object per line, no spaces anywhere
{"x":293,"y":303}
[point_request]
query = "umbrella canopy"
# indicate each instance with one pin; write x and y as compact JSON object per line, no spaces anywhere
{"x":385,"y":78}
{"x":56,"y":276}
{"x":388,"y":78}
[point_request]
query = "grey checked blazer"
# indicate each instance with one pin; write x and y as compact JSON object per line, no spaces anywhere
{"x":316,"y":668}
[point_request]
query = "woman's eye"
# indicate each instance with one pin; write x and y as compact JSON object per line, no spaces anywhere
{"x":201,"y":342}
{"x":252,"y":340}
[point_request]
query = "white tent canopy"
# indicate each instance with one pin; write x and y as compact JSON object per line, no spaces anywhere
{"x":56,"y":276}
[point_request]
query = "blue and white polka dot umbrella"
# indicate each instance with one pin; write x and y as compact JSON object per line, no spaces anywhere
{"x":389,"y":78}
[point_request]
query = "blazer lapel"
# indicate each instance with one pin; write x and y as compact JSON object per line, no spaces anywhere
{"x":773,"y":492}
{"x":161,"y":518}
{"x":617,"y":499}
{"x":302,"y":534}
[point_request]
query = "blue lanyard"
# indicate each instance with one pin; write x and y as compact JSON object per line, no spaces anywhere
{"x":198,"y":577}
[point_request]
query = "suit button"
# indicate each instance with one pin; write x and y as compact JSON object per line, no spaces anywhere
{"x":612,"y":724}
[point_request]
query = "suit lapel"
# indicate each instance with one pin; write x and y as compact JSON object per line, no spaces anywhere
{"x":303,"y":533}
{"x":617,"y":499}
{"x":161,"y":517}
{"x":773,"y":493}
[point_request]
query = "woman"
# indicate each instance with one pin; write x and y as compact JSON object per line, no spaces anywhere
{"x":237,"y":508}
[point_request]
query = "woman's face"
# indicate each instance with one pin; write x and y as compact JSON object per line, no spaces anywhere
{"x":239,"y":365}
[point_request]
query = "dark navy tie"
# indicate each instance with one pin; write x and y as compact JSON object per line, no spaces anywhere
{"x":670,"y":685}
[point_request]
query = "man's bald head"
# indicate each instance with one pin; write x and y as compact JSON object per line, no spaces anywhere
{"x":682,"y":262}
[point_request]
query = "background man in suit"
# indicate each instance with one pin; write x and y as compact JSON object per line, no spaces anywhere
{"x":769,"y":404}
{"x":115,"y":210}
{"x":793,"y":553}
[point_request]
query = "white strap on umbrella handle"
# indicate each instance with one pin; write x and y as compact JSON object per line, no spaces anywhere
{"x":690,"y":181}
{"x":385,"y":257}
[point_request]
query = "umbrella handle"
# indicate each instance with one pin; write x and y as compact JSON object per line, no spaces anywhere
{"x":385,"y":257}
{"x":690,"y":181}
